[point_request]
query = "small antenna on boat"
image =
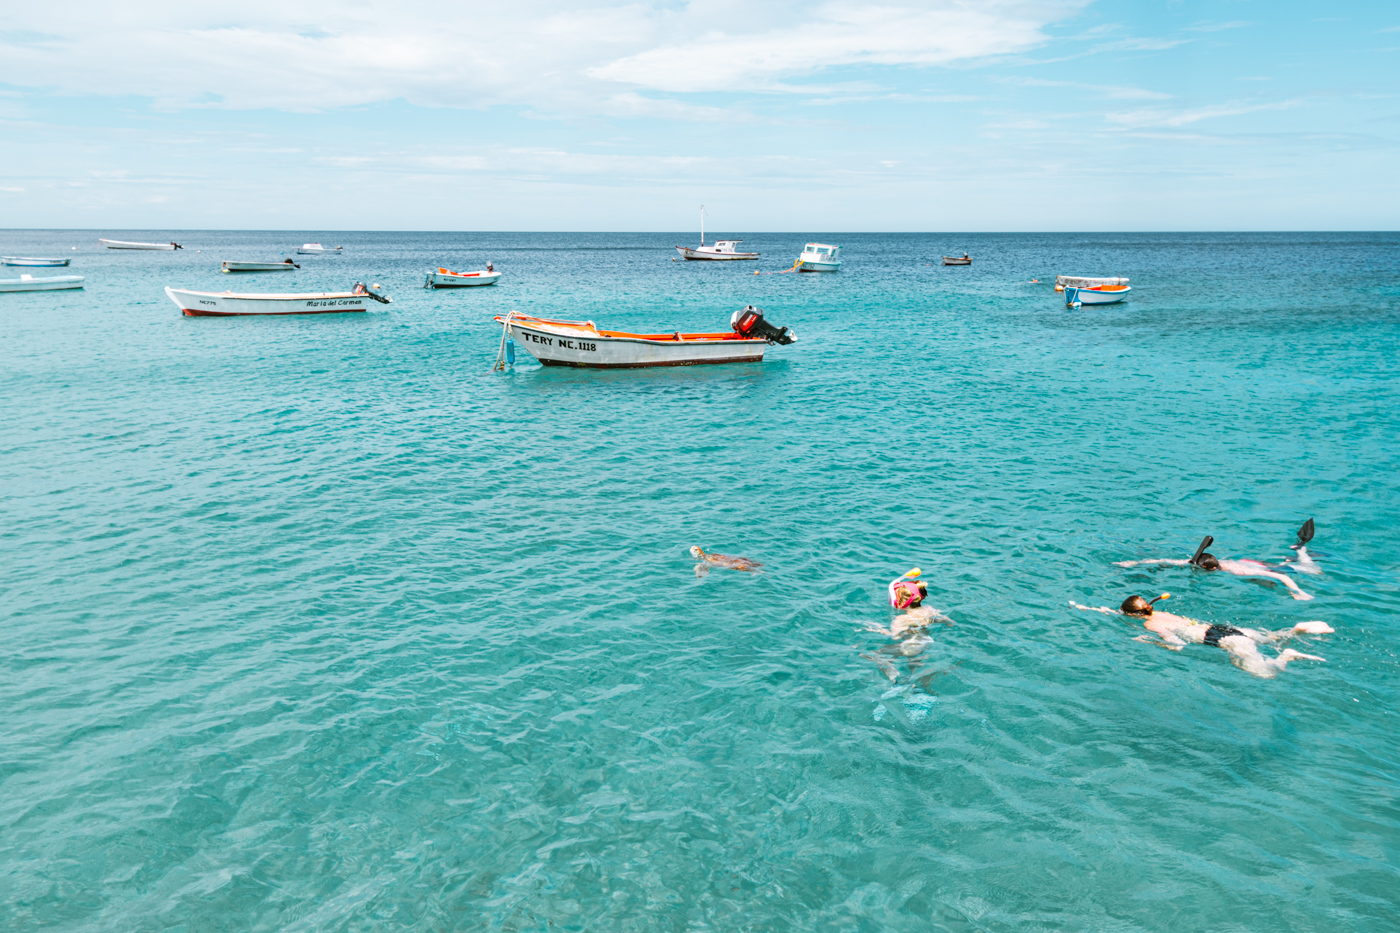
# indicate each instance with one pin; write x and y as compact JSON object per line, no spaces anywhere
{"x":702,"y":225}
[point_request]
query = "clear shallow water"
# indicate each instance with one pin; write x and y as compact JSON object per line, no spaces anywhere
{"x":315,"y":624}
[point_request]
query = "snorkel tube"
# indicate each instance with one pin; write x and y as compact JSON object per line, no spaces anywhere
{"x":1152,"y":602}
{"x":1206,"y":542}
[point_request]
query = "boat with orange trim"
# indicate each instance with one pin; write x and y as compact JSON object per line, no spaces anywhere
{"x":581,"y":343}
{"x":445,"y":278}
{"x":1076,"y":295}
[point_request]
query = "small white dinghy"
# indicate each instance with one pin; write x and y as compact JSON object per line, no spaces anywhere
{"x":34,"y":261}
{"x":819,"y":257}
{"x":580,"y":343}
{"x":27,"y":283}
{"x":722,"y":249}
{"x":123,"y":244}
{"x":444,"y":278}
{"x":310,"y":249}
{"x":233,"y":265}
{"x":226,"y":304}
{"x":963,"y":260}
{"x":1076,"y":295}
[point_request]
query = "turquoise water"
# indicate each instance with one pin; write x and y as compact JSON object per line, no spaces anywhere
{"x":316,"y":624}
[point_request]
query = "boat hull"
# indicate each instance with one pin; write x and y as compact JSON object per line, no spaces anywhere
{"x":812,"y":265}
{"x":462,"y":279}
{"x":32,"y":261}
{"x":689,"y":253}
{"x":227,"y":304}
{"x":1089,"y":296}
{"x":122,"y":244}
{"x":953,"y":261}
{"x":232,"y":265}
{"x":1086,"y":281}
{"x":317,"y":250}
{"x":575,"y":347}
{"x":30,"y":284}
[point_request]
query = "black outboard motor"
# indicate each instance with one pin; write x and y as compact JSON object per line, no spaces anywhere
{"x":371,"y":292}
{"x":749,"y":322}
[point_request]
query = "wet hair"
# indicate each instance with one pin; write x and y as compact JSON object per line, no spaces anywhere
{"x":916,"y":598}
{"x":1208,"y":562}
{"x":1136,"y":606}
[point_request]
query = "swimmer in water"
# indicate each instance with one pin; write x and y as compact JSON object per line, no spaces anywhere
{"x":1241,"y":644}
{"x":909,"y":630}
{"x":722,"y":560}
{"x":1245,"y":568}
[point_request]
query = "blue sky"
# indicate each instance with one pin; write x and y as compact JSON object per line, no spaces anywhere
{"x":540,"y":115}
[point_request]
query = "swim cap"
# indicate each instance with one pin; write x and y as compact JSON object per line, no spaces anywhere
{"x":1136,"y":606}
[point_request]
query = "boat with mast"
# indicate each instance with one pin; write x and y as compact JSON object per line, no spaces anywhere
{"x":723,"y":249}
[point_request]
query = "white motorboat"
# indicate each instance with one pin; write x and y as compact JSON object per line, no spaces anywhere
{"x":819,"y":257}
{"x":123,"y":244}
{"x":33,"y":261}
{"x":1076,"y":295}
{"x":27,"y":283}
{"x":580,"y":343}
{"x":444,"y":278}
{"x":233,"y":265}
{"x":226,"y":304}
{"x":310,"y":249}
{"x":1086,"y":281}
{"x":963,"y":260}
{"x":721,"y":250}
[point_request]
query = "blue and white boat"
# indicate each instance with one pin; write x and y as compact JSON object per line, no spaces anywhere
{"x":819,"y":257}
{"x":27,"y":283}
{"x":1076,"y":295}
{"x":33,"y":261}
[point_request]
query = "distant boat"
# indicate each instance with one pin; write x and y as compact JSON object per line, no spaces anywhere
{"x":31,"y":261}
{"x":819,"y":257}
{"x":307,"y":249}
{"x":1076,"y":295}
{"x":723,"y":249}
{"x":443,"y":278}
{"x":1086,"y":281}
{"x":580,"y":343}
{"x":233,"y":265}
{"x":963,"y":260}
{"x":123,"y":244}
{"x":226,"y":304}
{"x":27,"y":283}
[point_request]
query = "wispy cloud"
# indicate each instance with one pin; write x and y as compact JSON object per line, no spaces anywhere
{"x":1218,"y":27}
{"x":1161,"y":117}
{"x":606,"y":58}
{"x":1111,"y":91}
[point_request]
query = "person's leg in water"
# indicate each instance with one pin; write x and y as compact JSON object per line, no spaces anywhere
{"x":1245,"y":655}
{"x":1304,"y":562}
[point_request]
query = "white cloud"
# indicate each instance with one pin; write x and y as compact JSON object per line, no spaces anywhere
{"x":1160,"y":117}
{"x":1112,"y":91}
{"x":541,"y":53}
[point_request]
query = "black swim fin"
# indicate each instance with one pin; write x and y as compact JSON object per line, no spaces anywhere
{"x":1305,"y":534}
{"x":1206,"y":542}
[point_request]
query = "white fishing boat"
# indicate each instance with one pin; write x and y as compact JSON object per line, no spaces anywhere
{"x":27,"y":283}
{"x":226,"y":304}
{"x":721,"y":250}
{"x":234,"y":265}
{"x":1076,"y":295}
{"x":33,"y":261}
{"x":1086,"y":281}
{"x":123,"y":244}
{"x":311,"y":249}
{"x":963,"y":260}
{"x":444,"y":278}
{"x":819,"y":257}
{"x":581,"y":343}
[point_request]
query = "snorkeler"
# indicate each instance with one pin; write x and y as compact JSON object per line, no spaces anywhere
{"x":1245,"y":568}
{"x":909,"y":630}
{"x":722,"y":560}
{"x":1241,"y":644}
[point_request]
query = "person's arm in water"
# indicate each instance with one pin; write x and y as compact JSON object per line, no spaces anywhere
{"x":1161,"y":560}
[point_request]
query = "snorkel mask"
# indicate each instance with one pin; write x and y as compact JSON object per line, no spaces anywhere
{"x":1137,"y":606}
